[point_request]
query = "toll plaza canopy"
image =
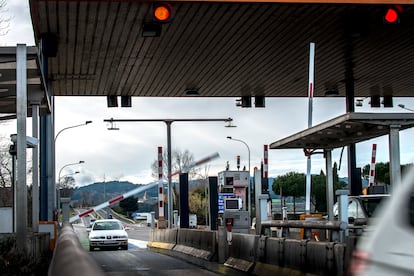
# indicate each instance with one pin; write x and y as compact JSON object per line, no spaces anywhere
{"x":35,"y":82}
{"x":345,"y":130}
{"x":225,"y":48}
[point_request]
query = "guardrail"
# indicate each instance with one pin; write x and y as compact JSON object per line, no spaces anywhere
{"x":69,"y":257}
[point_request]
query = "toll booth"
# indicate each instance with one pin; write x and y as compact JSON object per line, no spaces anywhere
{"x":233,"y":188}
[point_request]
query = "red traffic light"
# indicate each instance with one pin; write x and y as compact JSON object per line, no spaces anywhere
{"x":162,"y":12}
{"x":392,"y":14}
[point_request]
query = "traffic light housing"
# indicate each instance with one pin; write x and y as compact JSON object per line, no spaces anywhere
{"x":112,"y":101}
{"x":259,"y":101}
{"x":392,"y":14}
{"x":162,"y":12}
{"x":375,"y":101}
{"x":126,"y":101}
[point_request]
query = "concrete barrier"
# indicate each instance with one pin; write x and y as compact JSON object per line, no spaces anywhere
{"x":197,"y":243}
{"x":259,"y":255}
{"x":275,"y":251}
{"x":70,"y":258}
{"x":162,"y":239}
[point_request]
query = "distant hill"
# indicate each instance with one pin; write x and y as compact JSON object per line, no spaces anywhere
{"x":100,"y":192}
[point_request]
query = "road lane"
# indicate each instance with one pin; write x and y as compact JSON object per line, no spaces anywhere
{"x":137,"y":260}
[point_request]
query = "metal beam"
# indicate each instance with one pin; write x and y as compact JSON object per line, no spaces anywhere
{"x":21,"y":108}
{"x":394,"y":144}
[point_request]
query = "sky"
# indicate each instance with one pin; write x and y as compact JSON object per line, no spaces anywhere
{"x":127,"y":154}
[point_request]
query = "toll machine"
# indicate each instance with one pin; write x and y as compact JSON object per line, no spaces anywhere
{"x":233,"y":187}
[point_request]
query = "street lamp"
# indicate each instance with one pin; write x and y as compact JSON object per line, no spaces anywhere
{"x":54,"y":155}
{"x":248,"y":150}
{"x":66,"y":175}
{"x":406,"y":108}
{"x":84,"y":124}
{"x":67,"y":165}
{"x":60,"y":171}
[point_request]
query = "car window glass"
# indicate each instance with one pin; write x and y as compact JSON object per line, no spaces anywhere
{"x":99,"y":226}
{"x":352,"y":209}
{"x":371,"y":204}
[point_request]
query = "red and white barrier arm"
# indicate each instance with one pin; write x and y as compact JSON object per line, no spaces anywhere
{"x":137,"y":190}
{"x":372,"y":166}
{"x":200,"y":162}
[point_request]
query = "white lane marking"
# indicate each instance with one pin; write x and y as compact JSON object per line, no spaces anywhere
{"x":138,"y":243}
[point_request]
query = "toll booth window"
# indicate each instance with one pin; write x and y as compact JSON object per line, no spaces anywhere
{"x":229,"y":181}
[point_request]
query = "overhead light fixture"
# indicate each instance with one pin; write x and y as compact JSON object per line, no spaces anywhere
{"x":359,"y":102}
{"x":151,"y":29}
{"x":332,"y":92}
{"x":192,"y":92}
{"x":331,"y":89}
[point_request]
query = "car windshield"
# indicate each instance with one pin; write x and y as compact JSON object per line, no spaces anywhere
{"x":107,"y":225}
{"x":370,"y":204}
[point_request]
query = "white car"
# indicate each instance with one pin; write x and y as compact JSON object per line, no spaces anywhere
{"x":108,"y":233}
{"x":387,"y":248}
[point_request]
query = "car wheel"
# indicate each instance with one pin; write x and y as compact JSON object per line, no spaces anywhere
{"x":125,"y":247}
{"x":91,"y":248}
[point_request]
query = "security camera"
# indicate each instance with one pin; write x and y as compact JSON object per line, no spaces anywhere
{"x":31,"y":142}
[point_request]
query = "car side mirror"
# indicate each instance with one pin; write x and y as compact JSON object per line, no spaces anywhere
{"x":88,"y":229}
{"x":351,"y":220}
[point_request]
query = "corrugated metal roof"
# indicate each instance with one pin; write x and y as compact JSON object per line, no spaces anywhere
{"x":225,"y":49}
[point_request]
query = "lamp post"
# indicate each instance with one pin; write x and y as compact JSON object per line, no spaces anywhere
{"x":67,"y":165}
{"x":248,"y":150}
{"x":247,"y":146}
{"x":168,"y":122}
{"x":84,"y":124}
{"x":60,"y":171}
{"x":53,"y":200}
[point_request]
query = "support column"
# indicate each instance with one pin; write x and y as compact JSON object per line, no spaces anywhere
{"x":35,"y":170}
{"x":170,"y":200}
{"x":329,"y":183}
{"x":395,"y":167}
{"x":184,"y":208}
{"x":65,"y":208}
{"x":21,"y":108}
{"x":213,"y":199}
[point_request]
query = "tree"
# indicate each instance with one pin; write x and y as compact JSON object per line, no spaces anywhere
{"x":197,"y":200}
{"x":129,"y":205}
{"x":6,"y":196}
{"x":66,"y":186}
{"x":290,"y":184}
{"x":4,"y":21}
{"x":179,"y":162}
{"x":293,"y":184}
{"x":5,"y":166}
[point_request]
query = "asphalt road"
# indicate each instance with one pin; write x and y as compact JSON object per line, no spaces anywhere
{"x":137,"y":260}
